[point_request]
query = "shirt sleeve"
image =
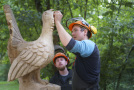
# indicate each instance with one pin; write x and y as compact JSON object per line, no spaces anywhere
{"x":84,"y":47}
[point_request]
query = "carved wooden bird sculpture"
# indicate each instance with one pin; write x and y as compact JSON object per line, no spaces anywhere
{"x":27,"y":58}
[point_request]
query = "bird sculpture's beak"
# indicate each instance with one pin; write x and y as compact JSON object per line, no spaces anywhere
{"x":52,"y":9}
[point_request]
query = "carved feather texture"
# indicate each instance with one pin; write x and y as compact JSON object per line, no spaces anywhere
{"x":29,"y":59}
{"x":24,"y":56}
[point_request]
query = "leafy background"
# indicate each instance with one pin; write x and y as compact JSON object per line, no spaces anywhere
{"x":114,"y":20}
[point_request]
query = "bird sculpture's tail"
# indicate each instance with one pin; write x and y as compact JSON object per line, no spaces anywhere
{"x":12,"y":25}
{"x":15,"y":36}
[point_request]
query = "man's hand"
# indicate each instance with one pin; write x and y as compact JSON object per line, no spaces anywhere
{"x":64,"y":36}
{"x":57,"y":16}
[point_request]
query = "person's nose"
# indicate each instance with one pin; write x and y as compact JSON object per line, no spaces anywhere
{"x":60,"y":61}
{"x":73,"y":33}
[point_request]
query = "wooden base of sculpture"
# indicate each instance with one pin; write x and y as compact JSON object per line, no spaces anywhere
{"x":32,"y":81}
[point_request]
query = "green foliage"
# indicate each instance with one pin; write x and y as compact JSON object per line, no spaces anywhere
{"x":3,"y":71}
{"x":114,"y":20}
{"x":48,"y":71}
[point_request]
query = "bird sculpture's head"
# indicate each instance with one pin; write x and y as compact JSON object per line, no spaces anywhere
{"x":48,"y":17}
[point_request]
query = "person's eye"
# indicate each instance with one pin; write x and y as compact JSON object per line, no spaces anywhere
{"x":75,"y":30}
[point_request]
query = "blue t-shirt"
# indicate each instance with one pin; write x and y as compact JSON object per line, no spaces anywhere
{"x":85,"y":47}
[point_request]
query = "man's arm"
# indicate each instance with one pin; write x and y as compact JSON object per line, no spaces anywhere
{"x":64,"y":36}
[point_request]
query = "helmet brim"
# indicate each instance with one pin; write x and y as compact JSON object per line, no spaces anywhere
{"x":60,"y":55}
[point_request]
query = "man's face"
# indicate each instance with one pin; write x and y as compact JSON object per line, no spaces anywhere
{"x":60,"y":63}
{"x":77,"y":34}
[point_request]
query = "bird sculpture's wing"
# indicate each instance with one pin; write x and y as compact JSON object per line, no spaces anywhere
{"x":31,"y":58}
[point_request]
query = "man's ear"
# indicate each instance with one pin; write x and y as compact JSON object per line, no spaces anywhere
{"x":85,"y":32}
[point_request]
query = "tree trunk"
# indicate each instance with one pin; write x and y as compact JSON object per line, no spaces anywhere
{"x":70,"y":9}
{"x":48,"y":4}
{"x":85,"y":10}
{"x":38,"y":5}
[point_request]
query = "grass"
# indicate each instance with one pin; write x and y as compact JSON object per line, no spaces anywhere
{"x":13,"y":85}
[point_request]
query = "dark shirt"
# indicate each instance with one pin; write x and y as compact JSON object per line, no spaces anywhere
{"x":87,"y":68}
{"x":64,"y":81}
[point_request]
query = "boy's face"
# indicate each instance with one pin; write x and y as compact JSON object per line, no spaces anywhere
{"x":77,"y":34}
{"x":60,"y":63}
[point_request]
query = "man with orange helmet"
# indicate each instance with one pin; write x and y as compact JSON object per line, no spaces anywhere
{"x":86,"y":70}
{"x":63,"y":76}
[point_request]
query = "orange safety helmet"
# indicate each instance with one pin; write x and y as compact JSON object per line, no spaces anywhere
{"x":80,"y":21}
{"x":61,"y":55}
